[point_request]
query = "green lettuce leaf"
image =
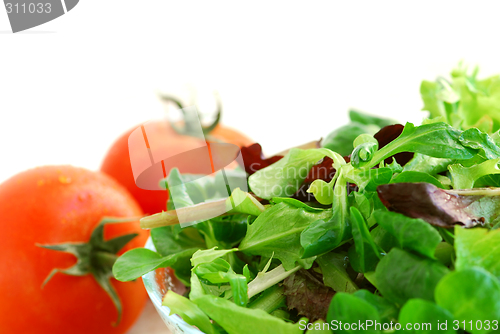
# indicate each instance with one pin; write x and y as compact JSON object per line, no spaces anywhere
{"x":402,"y":276}
{"x":470,"y":295}
{"x":411,"y":234}
{"x":239,"y":320}
{"x":478,"y":247}
{"x":430,"y":317}
{"x":277,"y":231}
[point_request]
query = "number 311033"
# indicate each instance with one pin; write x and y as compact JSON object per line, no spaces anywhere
{"x":31,"y":8}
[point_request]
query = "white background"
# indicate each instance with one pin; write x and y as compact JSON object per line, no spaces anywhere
{"x":286,"y":72}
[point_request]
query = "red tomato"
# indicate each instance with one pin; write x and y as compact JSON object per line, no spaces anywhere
{"x":53,"y":205}
{"x":117,"y":161}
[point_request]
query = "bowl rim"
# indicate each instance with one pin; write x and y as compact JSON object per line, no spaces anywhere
{"x":173,"y":322}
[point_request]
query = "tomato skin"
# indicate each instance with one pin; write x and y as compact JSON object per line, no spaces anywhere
{"x":117,"y":160}
{"x":58,"y":204}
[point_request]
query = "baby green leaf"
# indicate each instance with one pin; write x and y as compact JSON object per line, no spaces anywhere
{"x":363,"y":118}
{"x":350,"y":309}
{"x":323,"y":191}
{"x":333,"y":267}
{"x":478,"y":140}
{"x":386,"y":310}
{"x":471,"y":294}
{"x":166,"y":242}
{"x":296,"y":203}
{"x":428,"y":315}
{"x":189,"y":312}
{"x":437,"y":140}
{"x":240,"y":320}
{"x":426,"y":164}
{"x":363,"y":153}
{"x":209,"y":255}
{"x":219,"y":271}
{"x":412,"y":234}
{"x":139,"y":261}
{"x":414,"y":176}
{"x":341,"y":139}
{"x":465,"y":177}
{"x":283,"y":178}
{"x":323,"y":235}
{"x":277,"y":230}
{"x":365,"y":254}
{"x":402,"y":276}
{"x":478,"y":247}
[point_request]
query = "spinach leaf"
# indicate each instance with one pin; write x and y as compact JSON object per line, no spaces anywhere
{"x":167,"y":242}
{"x":364,"y":254}
{"x":240,"y":320}
{"x":478,"y":247}
{"x":414,"y":176}
{"x":402,"y":276}
{"x":364,"y":118}
{"x":277,"y":230}
{"x":224,"y":231}
{"x":430,"y":317}
{"x":426,"y":164}
{"x":346,"y":308}
{"x":296,"y":203}
{"x":139,"y":261}
{"x":471,"y":294}
{"x":387,"y":311}
{"x":363,"y":201}
{"x":189,"y":312}
{"x":324,"y":235}
{"x":341,"y":140}
{"x":384,"y":239}
{"x":333,"y":267}
{"x":411,"y":234}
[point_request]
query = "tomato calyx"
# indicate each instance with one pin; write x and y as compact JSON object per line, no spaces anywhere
{"x":191,"y":119}
{"x":95,"y":257}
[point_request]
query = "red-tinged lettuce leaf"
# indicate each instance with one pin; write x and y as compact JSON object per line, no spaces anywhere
{"x":308,"y":295}
{"x":388,"y":134}
{"x":439,"y":207}
{"x":323,"y":171}
{"x":254,"y":159}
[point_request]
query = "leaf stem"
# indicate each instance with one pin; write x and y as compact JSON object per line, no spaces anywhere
{"x":268,"y":279}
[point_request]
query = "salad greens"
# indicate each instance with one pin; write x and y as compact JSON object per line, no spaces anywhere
{"x":382,"y":240}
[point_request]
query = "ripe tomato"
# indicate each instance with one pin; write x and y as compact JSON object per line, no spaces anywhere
{"x":117,"y":160}
{"x":53,"y":205}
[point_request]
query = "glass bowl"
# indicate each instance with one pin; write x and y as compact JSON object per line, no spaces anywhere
{"x":156,"y":288}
